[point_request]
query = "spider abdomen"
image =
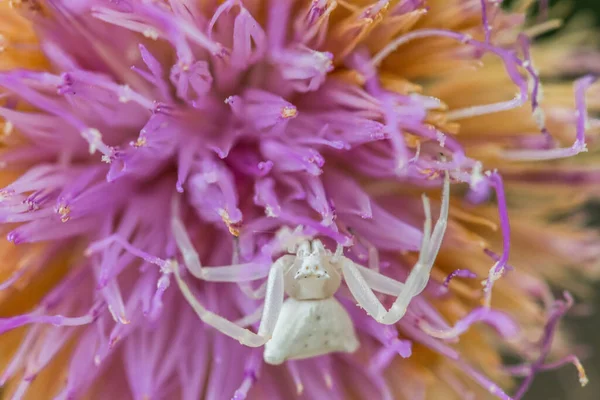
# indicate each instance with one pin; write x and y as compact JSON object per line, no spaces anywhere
{"x":310,"y":328}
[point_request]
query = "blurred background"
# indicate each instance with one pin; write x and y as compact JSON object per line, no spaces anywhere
{"x":562,"y":384}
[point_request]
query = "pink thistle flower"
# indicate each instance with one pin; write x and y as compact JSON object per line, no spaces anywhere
{"x":162,"y":139}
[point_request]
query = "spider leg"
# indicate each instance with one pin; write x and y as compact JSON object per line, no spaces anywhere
{"x":254,"y":294}
{"x":251,"y":319}
{"x":243,"y":272}
{"x":339,"y":253}
{"x":375,"y":280}
{"x":361,"y":283}
{"x":272,"y":307}
{"x":379,"y":282}
{"x":246,"y":287}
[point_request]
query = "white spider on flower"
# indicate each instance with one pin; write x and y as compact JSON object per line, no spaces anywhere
{"x":311,"y":322}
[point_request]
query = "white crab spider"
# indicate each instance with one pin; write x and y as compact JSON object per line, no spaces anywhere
{"x":311,"y":322}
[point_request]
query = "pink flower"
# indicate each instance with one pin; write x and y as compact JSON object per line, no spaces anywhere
{"x":200,"y":134}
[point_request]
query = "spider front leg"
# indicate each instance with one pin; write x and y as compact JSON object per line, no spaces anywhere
{"x":272,"y":307}
{"x":244,"y":272}
{"x":417,"y":279}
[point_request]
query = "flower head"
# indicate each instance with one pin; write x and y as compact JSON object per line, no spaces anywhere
{"x":157,"y":135}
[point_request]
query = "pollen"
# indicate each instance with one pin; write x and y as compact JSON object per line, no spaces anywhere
{"x":113,"y":341}
{"x":120,"y":318}
{"x":289,"y":112}
{"x":233,"y":229}
{"x":3,"y":43}
{"x":376,"y":16}
{"x":583,"y":379}
{"x":64,"y":212}
{"x":428,"y":173}
{"x":184,"y":66}
{"x":93,"y":137}
{"x":326,"y":58}
{"x":269,"y":212}
{"x":170,"y":266}
{"x":150,"y":33}
{"x":140,"y":142}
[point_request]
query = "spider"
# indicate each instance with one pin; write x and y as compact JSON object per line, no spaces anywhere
{"x":311,"y":322}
